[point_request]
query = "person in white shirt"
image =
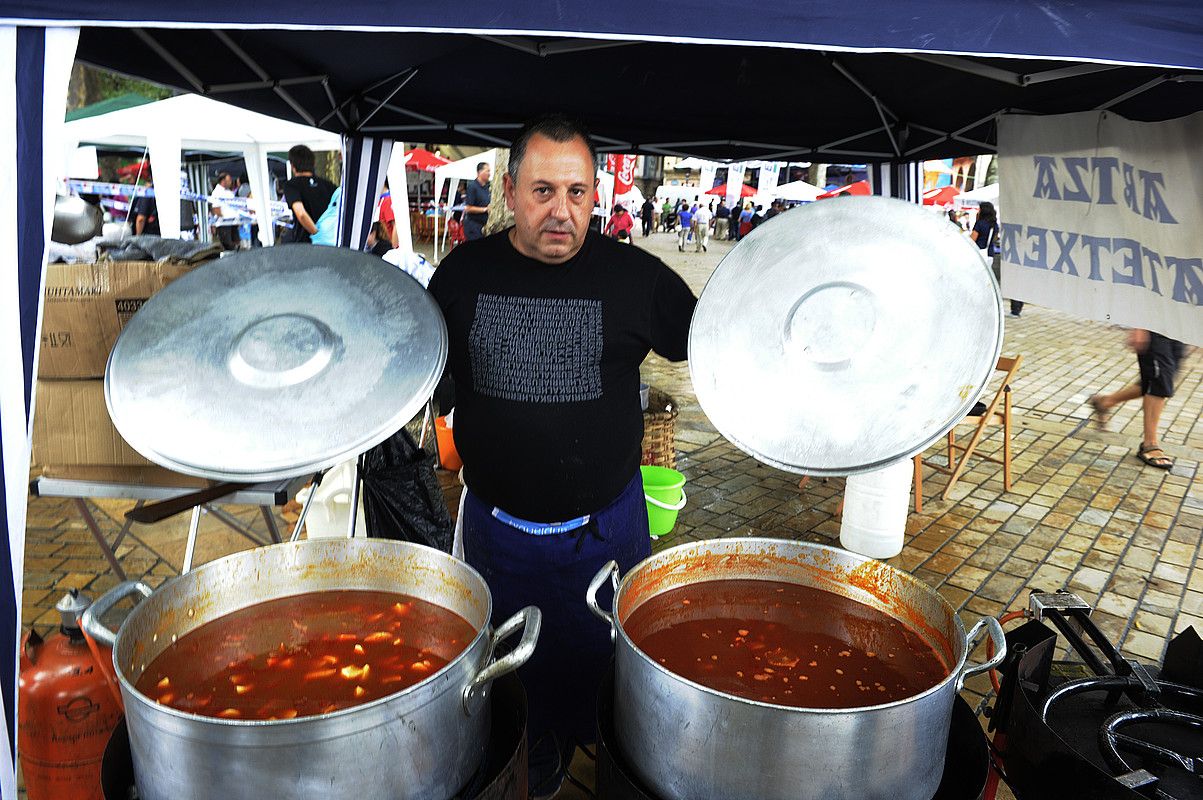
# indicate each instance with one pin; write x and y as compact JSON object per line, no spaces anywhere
{"x":224,"y":190}
{"x":701,"y":228}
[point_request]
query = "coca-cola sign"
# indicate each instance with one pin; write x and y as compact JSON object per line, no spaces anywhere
{"x":624,"y":178}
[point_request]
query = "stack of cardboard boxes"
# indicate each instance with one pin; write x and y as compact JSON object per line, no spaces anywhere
{"x":86,"y":307}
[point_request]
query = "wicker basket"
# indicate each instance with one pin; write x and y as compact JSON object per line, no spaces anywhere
{"x":659,"y":423}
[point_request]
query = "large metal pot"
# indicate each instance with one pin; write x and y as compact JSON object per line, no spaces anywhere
{"x":421,"y":743}
{"x":689,"y":742}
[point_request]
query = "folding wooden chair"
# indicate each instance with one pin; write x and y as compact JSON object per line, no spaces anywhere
{"x":957,"y":463}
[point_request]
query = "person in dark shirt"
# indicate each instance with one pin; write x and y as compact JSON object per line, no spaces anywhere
{"x":647,"y":215}
{"x":548,"y":323}
{"x":477,"y":196}
{"x":305,"y":194}
{"x":144,"y":215}
{"x":985,"y":236}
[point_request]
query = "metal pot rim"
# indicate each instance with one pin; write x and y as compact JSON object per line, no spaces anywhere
{"x":128,"y":687}
{"x":952,"y":675}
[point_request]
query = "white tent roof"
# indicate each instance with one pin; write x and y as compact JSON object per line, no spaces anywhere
{"x":192,"y":122}
{"x":978,"y":196}
{"x":796,"y":190}
{"x":200,"y":124}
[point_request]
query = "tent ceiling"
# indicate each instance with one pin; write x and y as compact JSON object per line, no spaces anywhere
{"x":779,"y":103}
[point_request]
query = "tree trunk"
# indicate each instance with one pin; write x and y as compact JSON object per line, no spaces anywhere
{"x":818,"y":175}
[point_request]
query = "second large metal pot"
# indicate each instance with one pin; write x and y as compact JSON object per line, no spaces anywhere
{"x":690,"y":742}
{"x":421,"y":743}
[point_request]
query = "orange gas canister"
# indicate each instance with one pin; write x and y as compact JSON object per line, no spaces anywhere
{"x":67,"y":710}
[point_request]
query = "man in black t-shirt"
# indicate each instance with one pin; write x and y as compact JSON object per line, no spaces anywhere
{"x":305,"y":194}
{"x":548,"y":323}
{"x":144,"y":215}
{"x":477,"y":197}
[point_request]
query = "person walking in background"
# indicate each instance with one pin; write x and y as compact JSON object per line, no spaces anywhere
{"x":985,"y":235}
{"x":620,"y":223}
{"x":647,"y":215}
{"x":722,"y":215}
{"x":684,"y":219}
{"x":701,"y":229}
{"x":305,"y":194}
{"x":745,"y":221}
{"x":1158,"y":358}
{"x":224,"y":231}
{"x":144,"y":214}
{"x":478,"y":197}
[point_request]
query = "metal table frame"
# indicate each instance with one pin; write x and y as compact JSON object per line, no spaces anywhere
{"x":265,"y":495}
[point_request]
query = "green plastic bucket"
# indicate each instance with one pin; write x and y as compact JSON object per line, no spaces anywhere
{"x":664,"y":491}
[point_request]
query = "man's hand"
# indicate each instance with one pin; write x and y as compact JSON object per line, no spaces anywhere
{"x":1138,"y":339}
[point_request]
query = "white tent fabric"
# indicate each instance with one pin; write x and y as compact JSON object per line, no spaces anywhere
{"x":38,"y":61}
{"x":462,"y":170}
{"x":797,"y":191}
{"x":193,"y":122}
{"x":977,"y":196}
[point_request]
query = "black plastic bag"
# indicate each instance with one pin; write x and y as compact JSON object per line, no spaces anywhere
{"x":402,"y":498}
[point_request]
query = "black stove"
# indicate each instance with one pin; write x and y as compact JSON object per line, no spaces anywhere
{"x":1102,"y":727}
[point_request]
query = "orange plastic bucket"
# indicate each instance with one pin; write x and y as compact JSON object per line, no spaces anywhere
{"x":448,"y":457}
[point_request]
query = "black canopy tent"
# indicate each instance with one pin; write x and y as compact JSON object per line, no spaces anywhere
{"x":762,"y":102}
{"x":802,"y":80}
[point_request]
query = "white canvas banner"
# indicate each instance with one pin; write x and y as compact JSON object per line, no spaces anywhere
{"x":1103,"y":218}
{"x":735,"y":182}
{"x":766,"y":182}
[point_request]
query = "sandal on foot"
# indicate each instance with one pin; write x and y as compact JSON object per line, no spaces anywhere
{"x":1101,"y":413}
{"x":1159,"y":462}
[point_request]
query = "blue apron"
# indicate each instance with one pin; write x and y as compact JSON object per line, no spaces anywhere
{"x":550,"y":565}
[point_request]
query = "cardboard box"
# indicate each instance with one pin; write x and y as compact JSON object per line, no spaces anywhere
{"x":71,"y":426}
{"x":87,"y":305}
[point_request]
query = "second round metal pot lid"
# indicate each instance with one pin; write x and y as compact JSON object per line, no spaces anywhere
{"x":845,"y":334}
{"x":275,"y":362}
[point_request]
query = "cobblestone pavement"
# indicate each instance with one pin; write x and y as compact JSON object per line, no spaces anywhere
{"x":1083,"y":513}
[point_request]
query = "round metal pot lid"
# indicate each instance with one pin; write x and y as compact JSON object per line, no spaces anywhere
{"x":844,"y":335}
{"x":275,"y":362}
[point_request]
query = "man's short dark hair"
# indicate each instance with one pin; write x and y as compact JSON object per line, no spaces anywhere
{"x":301,"y":158}
{"x":221,"y":176}
{"x":558,"y":128}
{"x":481,"y":166}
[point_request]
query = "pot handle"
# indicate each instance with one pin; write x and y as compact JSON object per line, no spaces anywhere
{"x":1000,"y":648}
{"x":90,"y":621}
{"x":609,"y":571}
{"x":530,"y":619}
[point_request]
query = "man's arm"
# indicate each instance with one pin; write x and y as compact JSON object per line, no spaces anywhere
{"x":302,"y":217}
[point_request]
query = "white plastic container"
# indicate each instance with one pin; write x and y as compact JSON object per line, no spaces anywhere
{"x":875,"y":507}
{"x":329,"y":514}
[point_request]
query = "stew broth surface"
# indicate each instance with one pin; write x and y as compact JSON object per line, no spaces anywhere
{"x":304,"y":655}
{"x":782,"y":643}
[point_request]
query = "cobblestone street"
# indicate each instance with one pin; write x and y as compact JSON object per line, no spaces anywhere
{"x":1083,"y":512}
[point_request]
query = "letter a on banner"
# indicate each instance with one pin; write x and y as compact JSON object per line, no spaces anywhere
{"x":1100,"y":218}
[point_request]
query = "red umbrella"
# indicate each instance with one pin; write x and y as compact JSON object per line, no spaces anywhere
{"x":721,"y":190}
{"x":858,"y":188}
{"x":941,"y":196}
{"x":423,"y":160}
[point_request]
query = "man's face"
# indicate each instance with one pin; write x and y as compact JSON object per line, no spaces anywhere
{"x":552,"y":199}
{"x":485,"y":174}
{"x":226,"y":181}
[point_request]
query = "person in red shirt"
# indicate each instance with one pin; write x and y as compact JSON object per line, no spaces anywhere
{"x":388,"y":219}
{"x":620,"y":222}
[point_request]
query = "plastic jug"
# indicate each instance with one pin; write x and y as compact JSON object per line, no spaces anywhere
{"x":875,"y":508}
{"x":329,"y":513}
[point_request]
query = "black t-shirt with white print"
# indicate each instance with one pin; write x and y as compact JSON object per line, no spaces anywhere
{"x":546,"y":360}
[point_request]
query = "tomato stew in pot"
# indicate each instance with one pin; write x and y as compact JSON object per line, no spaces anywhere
{"x":305,"y":655}
{"x":783,"y":643}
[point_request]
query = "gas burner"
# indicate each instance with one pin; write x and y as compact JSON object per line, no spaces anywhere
{"x":1125,"y":732}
